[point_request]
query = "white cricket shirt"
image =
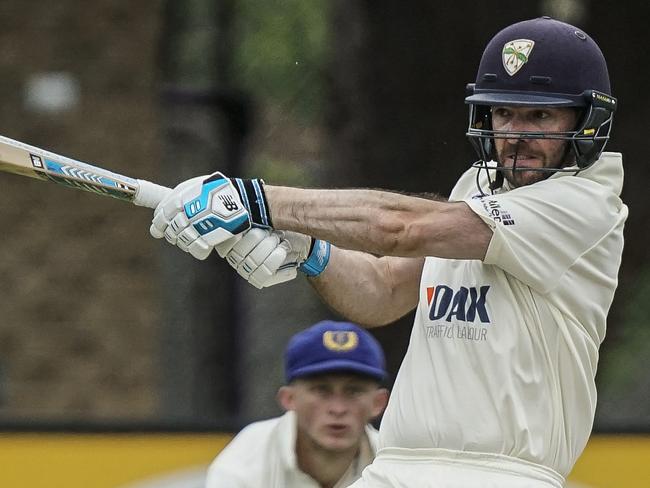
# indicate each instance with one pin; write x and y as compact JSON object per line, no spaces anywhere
{"x":503,"y":353}
{"x":263,"y":455}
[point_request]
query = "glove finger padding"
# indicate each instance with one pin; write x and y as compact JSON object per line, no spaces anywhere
{"x":264,"y":254}
{"x":169,"y":206}
{"x":178,"y":225}
{"x":263,"y":280}
{"x":265,"y":257}
{"x":226,"y":246}
{"x":268,"y":273}
{"x":243,"y":247}
{"x":199,"y":249}
{"x":158,"y":225}
{"x":186,"y":238}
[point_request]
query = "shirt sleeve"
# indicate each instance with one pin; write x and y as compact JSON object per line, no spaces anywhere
{"x":540,"y":230}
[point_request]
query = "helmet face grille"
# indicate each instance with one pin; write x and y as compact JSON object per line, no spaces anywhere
{"x":585,"y":144}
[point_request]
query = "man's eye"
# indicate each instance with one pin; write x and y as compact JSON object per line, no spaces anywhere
{"x":540,"y":114}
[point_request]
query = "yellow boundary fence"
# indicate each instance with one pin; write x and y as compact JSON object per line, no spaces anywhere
{"x":53,"y":460}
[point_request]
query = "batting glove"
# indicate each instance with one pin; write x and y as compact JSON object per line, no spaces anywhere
{"x":205,"y":211}
{"x":264,"y":257}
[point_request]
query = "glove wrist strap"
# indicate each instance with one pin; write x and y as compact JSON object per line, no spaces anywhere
{"x":319,"y":256}
{"x":253,"y":197}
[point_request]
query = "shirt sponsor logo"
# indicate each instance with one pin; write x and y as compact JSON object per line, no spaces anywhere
{"x":458,"y":314}
{"x":467,"y":304}
{"x":497,"y":212}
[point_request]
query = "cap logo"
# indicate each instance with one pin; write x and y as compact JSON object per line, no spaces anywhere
{"x":340,"y":340}
{"x":515,"y":54}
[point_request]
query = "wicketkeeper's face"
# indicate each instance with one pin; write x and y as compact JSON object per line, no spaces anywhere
{"x":332,"y":410}
{"x":531,"y":153}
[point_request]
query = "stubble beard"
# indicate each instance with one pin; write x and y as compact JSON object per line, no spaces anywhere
{"x":520,"y":177}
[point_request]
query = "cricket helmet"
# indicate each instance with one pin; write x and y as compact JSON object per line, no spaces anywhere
{"x":543,"y":63}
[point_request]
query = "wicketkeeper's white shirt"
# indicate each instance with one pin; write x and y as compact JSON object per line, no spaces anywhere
{"x":503,"y":352}
{"x":263,"y":455}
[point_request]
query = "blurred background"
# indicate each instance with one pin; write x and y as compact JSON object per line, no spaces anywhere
{"x":116,"y":346}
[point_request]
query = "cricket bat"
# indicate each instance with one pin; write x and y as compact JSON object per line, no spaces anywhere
{"x":23,"y":159}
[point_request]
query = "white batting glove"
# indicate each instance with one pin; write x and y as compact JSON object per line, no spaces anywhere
{"x":264,"y":257}
{"x":208,"y":210}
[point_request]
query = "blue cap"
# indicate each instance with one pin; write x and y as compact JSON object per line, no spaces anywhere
{"x":331,"y":347}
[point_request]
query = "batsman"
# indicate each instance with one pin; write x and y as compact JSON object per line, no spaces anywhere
{"x":511,"y":276}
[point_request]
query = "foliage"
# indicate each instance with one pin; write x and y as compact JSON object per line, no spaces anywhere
{"x":624,"y":362}
{"x":280,"y":52}
{"x":282,"y":172}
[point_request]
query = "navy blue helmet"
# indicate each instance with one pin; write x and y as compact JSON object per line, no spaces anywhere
{"x":543,"y":63}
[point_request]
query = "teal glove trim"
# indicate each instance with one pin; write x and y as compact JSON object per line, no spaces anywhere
{"x":319,"y":256}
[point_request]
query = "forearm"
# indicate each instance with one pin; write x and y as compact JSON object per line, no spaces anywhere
{"x":368,"y":290}
{"x":380,"y":222}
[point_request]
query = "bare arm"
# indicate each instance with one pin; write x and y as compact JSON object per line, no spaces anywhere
{"x":368,"y":290}
{"x":380,"y":222}
{"x":364,"y":224}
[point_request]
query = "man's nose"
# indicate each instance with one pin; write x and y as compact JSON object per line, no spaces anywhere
{"x":337,"y":405}
{"x":517,"y":124}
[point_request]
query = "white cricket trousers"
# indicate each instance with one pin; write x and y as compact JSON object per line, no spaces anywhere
{"x":442,"y":468}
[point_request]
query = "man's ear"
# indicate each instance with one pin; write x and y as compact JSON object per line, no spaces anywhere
{"x":285,"y":397}
{"x":379,"y":401}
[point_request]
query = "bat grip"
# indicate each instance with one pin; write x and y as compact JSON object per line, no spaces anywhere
{"x":149,"y":194}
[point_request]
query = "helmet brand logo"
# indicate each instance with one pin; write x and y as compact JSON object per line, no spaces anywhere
{"x":515,"y":54}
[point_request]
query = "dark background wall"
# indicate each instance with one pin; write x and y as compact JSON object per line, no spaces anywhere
{"x":344,"y":93}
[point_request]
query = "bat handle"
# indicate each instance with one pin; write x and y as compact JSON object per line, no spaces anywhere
{"x":149,"y":194}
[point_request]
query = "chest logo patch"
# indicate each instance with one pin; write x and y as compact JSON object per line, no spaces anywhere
{"x":466,"y":304}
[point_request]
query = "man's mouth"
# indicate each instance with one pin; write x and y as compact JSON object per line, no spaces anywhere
{"x":522,"y":160}
{"x":336,"y":429}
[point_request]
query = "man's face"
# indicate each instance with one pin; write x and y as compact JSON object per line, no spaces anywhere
{"x":531,"y":153}
{"x":333,"y":409}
